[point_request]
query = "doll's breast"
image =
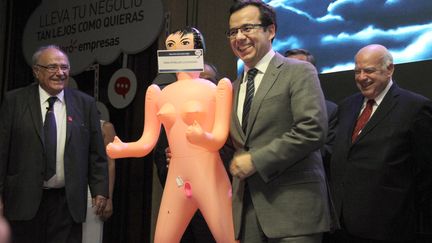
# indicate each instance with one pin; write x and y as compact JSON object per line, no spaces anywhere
{"x":188,"y":111}
{"x":193,"y":110}
{"x":167,"y":114}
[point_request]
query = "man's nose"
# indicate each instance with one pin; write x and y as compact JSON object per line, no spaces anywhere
{"x":239,"y":34}
{"x":361,"y":75}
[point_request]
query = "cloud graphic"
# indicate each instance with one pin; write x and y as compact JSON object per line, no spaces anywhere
{"x":335,"y":30}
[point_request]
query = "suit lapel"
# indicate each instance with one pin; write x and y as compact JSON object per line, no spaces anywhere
{"x":267,"y":82}
{"x":355,"y":107}
{"x":236,"y":129}
{"x":383,"y":110}
{"x":35,"y":110}
{"x":70,"y":114}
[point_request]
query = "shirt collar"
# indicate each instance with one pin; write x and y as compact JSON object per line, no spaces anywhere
{"x":381,"y":96}
{"x":43,"y":95}
{"x":262,"y":64}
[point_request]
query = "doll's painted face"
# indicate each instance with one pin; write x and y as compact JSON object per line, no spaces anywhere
{"x":178,"y":42}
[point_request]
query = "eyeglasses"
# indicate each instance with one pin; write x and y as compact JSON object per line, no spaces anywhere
{"x":245,"y":29}
{"x":53,"y":68}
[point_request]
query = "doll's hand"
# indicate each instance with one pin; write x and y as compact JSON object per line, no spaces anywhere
{"x":195,"y":134}
{"x":114,"y":149}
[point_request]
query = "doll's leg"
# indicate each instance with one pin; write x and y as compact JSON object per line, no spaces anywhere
{"x":175,"y":212}
{"x":217,"y":211}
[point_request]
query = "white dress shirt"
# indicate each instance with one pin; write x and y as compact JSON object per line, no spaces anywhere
{"x":262,"y":67}
{"x":57,"y":181}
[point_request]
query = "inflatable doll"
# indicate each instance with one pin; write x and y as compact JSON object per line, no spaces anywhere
{"x":195,"y":114}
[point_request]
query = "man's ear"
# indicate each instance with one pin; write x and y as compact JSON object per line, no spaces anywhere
{"x":390,"y":69}
{"x":272,"y":31}
{"x":35,"y":71}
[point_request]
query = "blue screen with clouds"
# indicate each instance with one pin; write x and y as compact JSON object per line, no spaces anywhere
{"x":333,"y":31}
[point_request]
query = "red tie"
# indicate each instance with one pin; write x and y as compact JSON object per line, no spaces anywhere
{"x":363,"y":119}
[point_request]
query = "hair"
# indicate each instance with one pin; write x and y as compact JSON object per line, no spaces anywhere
{"x":198,"y":38}
{"x":387,"y":59}
{"x":213,"y":67}
{"x":267,"y":13}
{"x":298,"y":51}
{"x":38,"y":52}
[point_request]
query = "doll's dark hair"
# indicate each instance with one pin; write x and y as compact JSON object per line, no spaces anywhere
{"x":198,"y":38}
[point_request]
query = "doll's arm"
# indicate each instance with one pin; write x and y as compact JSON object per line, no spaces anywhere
{"x":145,"y":144}
{"x":215,"y":139}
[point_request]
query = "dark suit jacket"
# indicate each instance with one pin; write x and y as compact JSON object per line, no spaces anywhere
{"x":377,"y":179}
{"x":22,"y":163}
{"x":286,"y":128}
{"x":327,"y":149}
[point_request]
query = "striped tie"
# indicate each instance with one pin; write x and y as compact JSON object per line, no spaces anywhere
{"x":250,"y":90}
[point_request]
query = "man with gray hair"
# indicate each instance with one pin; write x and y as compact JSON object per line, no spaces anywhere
{"x":51,"y":149}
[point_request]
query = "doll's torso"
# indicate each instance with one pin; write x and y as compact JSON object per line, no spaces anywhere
{"x":180,"y":104}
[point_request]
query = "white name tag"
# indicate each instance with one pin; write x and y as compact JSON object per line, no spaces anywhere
{"x":180,"y":61}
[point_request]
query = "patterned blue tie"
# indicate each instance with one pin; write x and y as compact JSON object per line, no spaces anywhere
{"x":250,"y":90}
{"x":50,"y":133}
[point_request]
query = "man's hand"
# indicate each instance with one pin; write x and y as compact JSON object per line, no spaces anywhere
{"x":242,"y":166}
{"x":108,"y":211}
{"x":99,"y":203}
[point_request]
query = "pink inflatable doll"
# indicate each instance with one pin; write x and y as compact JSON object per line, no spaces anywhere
{"x":195,"y":113}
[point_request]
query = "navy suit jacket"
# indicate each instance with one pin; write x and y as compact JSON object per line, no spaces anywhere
{"x":327,"y":149}
{"x":378,"y":179}
{"x":22,"y":163}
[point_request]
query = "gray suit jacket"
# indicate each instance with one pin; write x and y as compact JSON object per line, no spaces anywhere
{"x":286,"y":128}
{"x":22,"y":163}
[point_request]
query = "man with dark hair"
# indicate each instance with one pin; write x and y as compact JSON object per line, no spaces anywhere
{"x":51,"y":149}
{"x":277,"y":127}
{"x":301,"y":54}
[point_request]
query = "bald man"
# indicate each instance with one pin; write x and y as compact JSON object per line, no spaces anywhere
{"x":379,"y":171}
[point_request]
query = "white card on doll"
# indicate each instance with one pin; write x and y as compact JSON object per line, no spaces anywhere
{"x":175,"y":61}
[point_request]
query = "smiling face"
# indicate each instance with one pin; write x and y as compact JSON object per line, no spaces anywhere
{"x":52,"y":82}
{"x":176,"y":41}
{"x":373,"y":70}
{"x":250,"y":47}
